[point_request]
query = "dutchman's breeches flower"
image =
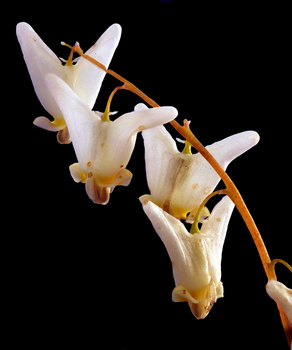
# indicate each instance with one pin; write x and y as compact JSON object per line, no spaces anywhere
{"x":179,"y":181}
{"x":195,"y":258}
{"x":103,"y":147}
{"x":282,"y":295}
{"x":83,"y":77}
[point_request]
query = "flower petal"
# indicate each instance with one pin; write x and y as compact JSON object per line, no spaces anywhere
{"x":180,"y":293}
{"x":186,"y":251}
{"x":123,"y":178}
{"x":180,"y":182}
{"x":161,"y":163}
{"x":40,"y":60}
{"x":88,"y":76}
{"x":117,"y":139}
{"x":76,"y":173}
{"x":282,"y":295}
{"x":99,"y":195}
{"x":82,"y":123}
{"x":45,"y":123}
{"x":216,"y":227}
{"x":145,"y":118}
{"x":196,"y":258}
{"x":233,"y":146}
{"x":199,"y":308}
{"x":63,"y":136}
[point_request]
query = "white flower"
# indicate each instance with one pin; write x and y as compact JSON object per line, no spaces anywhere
{"x":195,"y":258}
{"x":282,"y":295}
{"x":103,"y":148}
{"x":179,"y":182}
{"x":84,"y":77}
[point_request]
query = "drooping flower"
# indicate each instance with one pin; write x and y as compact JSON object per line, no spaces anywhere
{"x":83,"y":77}
{"x":103,"y":147}
{"x":179,"y":181}
{"x":195,"y":258}
{"x":282,"y":295}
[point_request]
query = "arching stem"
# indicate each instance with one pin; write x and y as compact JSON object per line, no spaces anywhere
{"x":106,"y":114}
{"x":127,"y":85}
{"x":233,"y":193}
{"x":195,"y":227}
{"x":231,"y":189}
{"x":185,"y":131}
{"x":274,"y":261}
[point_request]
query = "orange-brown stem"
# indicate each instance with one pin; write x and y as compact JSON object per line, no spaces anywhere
{"x":127,"y":85}
{"x":235,"y":196}
{"x":233,"y":193}
{"x":231,"y":189}
{"x":185,"y":131}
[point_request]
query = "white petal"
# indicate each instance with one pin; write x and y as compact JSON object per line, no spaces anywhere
{"x":231,"y":147}
{"x":45,"y":123}
{"x":104,"y":148}
{"x":144,"y":118}
{"x":123,"y":178}
{"x":118,"y":138}
{"x":88,"y":76}
{"x":81,"y":121}
{"x":40,"y":60}
{"x":161,"y":163}
{"x":187,"y":254}
{"x":76,"y":173}
{"x":216,"y":227}
{"x":196,"y":259}
{"x":180,"y":182}
{"x":180,"y":293}
{"x":282,"y":295}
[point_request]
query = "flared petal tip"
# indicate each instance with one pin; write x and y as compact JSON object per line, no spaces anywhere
{"x":59,"y":126}
{"x":123,"y":178}
{"x":145,"y":199}
{"x":45,"y":123}
{"x":76,"y":173}
{"x":180,"y":293}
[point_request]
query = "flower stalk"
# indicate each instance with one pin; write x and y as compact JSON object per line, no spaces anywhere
{"x":195,"y":227}
{"x":231,"y":189}
{"x":106,"y":114}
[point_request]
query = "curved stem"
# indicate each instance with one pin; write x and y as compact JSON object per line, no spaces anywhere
{"x":185,"y":131}
{"x":127,"y":85}
{"x":106,"y":114}
{"x":195,"y":227}
{"x":231,"y":189}
{"x":274,"y":261}
{"x":234,"y":195}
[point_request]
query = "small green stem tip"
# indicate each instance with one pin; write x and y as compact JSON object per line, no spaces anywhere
{"x":195,"y":227}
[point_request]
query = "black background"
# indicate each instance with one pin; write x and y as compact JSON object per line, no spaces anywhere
{"x":91,"y":276}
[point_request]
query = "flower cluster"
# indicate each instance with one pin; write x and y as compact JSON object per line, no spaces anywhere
{"x":68,"y":93}
{"x":180,"y":183}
